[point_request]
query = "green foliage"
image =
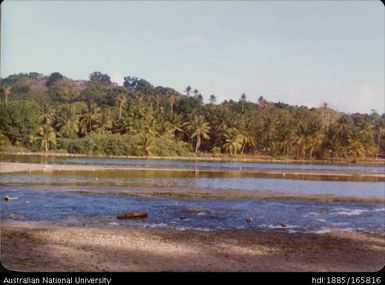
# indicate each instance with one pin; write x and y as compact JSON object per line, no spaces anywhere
{"x":18,"y":121}
{"x":99,"y":117}
{"x":46,"y":136}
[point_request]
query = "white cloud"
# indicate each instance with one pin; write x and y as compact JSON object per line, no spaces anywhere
{"x":188,"y":41}
{"x":117,"y":78}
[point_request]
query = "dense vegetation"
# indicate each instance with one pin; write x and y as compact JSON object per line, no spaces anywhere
{"x":99,"y":117}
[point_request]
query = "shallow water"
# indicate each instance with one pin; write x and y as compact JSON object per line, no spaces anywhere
{"x":196,"y":165}
{"x":97,"y":197}
{"x":68,"y":208}
{"x":213,"y":183}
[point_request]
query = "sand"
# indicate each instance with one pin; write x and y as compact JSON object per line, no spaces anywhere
{"x":28,"y":246}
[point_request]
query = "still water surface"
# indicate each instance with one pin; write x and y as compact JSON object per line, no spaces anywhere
{"x":73,"y":198}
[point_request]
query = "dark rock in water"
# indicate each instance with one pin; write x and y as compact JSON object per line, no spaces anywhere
{"x":182,"y":218}
{"x":7,"y":198}
{"x":249,"y":219}
{"x":284,"y":225}
{"x":133,"y":215}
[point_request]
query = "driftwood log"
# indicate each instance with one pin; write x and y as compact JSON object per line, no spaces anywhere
{"x":133,"y":215}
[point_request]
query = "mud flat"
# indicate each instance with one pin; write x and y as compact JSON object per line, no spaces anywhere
{"x":32,"y":246}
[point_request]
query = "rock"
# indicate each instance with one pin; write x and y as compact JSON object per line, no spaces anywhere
{"x":7,"y":198}
{"x":133,"y":215}
{"x":284,"y":225}
{"x":249,"y":219}
{"x":182,"y":218}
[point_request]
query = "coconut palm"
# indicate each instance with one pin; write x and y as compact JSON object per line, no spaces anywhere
{"x":246,"y":134}
{"x":104,"y":123}
{"x":6,"y":90}
{"x":355,"y":148}
{"x":171,"y":99}
{"x":89,"y":119}
{"x":212,"y":99}
{"x":315,"y":142}
{"x":121,"y":102}
{"x":247,"y":140}
{"x":243,"y":101}
{"x":199,"y":130}
{"x":233,"y":141}
{"x":188,"y":90}
{"x":46,"y":134}
{"x":47,"y":113}
{"x":67,"y":121}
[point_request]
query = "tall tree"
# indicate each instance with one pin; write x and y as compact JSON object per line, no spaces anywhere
{"x":233,"y":141}
{"x":6,"y":91}
{"x":121,"y":102}
{"x":243,"y":101}
{"x":199,"y":130}
{"x":213,"y":99}
{"x":188,"y":90}
{"x":46,"y":135}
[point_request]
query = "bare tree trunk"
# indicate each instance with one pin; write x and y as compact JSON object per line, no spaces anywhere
{"x":197,"y":144}
{"x":378,"y":143}
{"x":243,"y":148}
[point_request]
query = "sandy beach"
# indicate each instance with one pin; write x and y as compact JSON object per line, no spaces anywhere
{"x":42,"y":247}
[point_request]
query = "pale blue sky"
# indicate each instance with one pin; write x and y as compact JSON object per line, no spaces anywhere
{"x":298,"y":52}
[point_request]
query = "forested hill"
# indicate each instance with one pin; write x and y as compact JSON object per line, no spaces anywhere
{"x":99,"y":117}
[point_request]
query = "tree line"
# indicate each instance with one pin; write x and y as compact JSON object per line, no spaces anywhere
{"x":97,"y":116}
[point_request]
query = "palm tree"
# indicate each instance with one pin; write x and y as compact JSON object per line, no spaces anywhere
{"x":89,"y":119}
{"x":355,"y":148}
{"x":188,"y":90}
{"x":247,"y":139}
{"x":243,"y":100}
{"x":171,"y":99}
{"x":315,"y":141}
{"x":261,"y":102}
{"x":121,"y":102}
{"x":380,"y":133}
{"x":246,"y":134}
{"x":105,"y":123}
{"x":176,"y":124}
{"x":67,"y":121}
{"x":47,"y":113}
{"x":212,"y":99}
{"x":196,"y":92}
{"x":46,"y":134}
{"x":199,"y":130}
{"x":233,"y":141}
{"x":6,"y":90}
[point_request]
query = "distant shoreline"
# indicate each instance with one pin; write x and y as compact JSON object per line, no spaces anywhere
{"x":245,"y":158}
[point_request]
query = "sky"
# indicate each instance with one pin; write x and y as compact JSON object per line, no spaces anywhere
{"x":296,"y":52}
